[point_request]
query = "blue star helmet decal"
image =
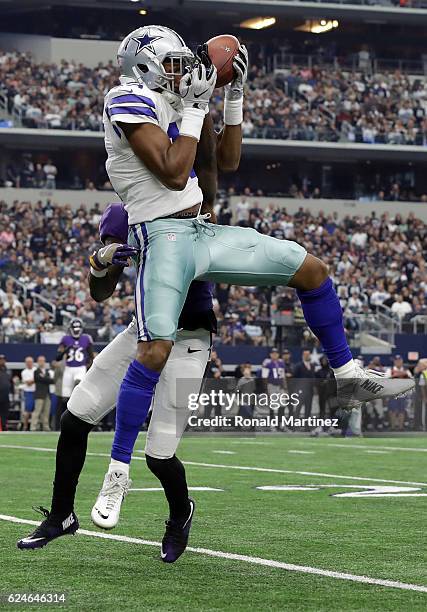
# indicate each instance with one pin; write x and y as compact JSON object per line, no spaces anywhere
{"x":145,"y":41}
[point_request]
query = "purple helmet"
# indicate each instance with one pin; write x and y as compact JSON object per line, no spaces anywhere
{"x":76,"y":328}
{"x":114,"y":222}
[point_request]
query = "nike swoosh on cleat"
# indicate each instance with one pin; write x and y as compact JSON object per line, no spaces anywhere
{"x":162,"y":554}
{"x":191,"y":514}
{"x":29,"y":540}
{"x":104,"y":516}
{"x":189,"y":350}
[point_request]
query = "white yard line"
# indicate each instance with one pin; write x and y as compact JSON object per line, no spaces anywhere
{"x":379,"y":447}
{"x":224,"y":452}
{"x":153,"y":489}
{"x":405,"y":586}
{"x":241,"y":467}
{"x":300,"y":452}
{"x":324,"y":475}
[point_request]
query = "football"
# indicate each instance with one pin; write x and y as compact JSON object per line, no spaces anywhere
{"x":222,"y":50}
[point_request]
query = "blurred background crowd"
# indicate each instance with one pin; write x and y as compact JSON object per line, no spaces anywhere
{"x":376,"y":262}
{"x":297,"y":103}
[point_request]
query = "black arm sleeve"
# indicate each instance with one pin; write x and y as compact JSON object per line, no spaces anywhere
{"x":101,"y":288}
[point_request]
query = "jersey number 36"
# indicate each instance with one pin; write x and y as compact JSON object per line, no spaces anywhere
{"x":75,"y":354}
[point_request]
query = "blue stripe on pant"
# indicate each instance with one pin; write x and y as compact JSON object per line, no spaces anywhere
{"x":141,"y":238}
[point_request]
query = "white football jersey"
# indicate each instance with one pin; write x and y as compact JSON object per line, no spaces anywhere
{"x":144,"y":196}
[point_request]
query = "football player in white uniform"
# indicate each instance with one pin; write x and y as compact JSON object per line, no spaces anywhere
{"x":97,"y":393}
{"x":153,"y":122}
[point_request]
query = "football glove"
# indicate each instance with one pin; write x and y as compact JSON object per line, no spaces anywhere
{"x":197,"y":85}
{"x":115,"y":253}
{"x":234,"y":90}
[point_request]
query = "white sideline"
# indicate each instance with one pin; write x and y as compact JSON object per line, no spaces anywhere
{"x":246,"y":559}
{"x":239,"y":467}
{"x":379,"y":447}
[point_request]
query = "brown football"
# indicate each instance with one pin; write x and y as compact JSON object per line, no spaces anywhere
{"x":222,"y":50}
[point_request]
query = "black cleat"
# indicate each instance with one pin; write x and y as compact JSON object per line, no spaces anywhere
{"x":50,"y":529}
{"x":175,"y":539}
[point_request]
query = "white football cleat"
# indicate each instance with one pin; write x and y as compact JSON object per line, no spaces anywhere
{"x":106,"y":511}
{"x":368,"y":385}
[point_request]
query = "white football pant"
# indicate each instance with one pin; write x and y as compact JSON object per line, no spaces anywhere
{"x":96,"y":395}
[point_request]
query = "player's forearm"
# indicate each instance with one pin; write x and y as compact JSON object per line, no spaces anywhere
{"x":229,"y":148}
{"x":103,"y":287}
{"x":170,"y":162}
{"x":60,"y":353}
{"x":230,"y":139}
{"x":205,"y":165}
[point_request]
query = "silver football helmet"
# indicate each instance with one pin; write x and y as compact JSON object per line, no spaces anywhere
{"x":144,"y":51}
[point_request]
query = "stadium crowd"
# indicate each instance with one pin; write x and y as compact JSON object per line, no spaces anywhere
{"x":311,"y":104}
{"x":376,"y":262}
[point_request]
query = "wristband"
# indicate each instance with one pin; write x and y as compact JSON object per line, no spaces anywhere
{"x":95,"y":263}
{"x":98,"y":273}
{"x":192,"y":122}
{"x":233,"y":111}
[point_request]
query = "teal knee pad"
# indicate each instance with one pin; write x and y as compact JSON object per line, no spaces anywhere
{"x":286,"y":253}
{"x":161,"y":327}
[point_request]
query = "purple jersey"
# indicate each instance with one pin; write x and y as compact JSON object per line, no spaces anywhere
{"x":114,"y":223}
{"x":273,"y":370}
{"x":77,"y":350}
{"x":199,"y":298}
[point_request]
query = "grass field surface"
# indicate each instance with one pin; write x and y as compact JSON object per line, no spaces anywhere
{"x":338,"y":525}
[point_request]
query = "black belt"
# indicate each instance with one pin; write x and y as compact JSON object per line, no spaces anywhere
{"x":184,"y":214}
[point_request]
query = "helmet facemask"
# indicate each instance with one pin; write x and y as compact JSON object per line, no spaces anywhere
{"x":159,"y":63}
{"x":76,"y":329}
{"x":175,"y":64}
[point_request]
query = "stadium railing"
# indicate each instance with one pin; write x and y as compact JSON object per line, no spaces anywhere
{"x":419,"y":324}
{"x":48,"y":305}
{"x":283,"y":61}
{"x":382,"y":324}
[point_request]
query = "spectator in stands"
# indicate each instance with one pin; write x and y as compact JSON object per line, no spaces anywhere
{"x":397,"y":406}
{"x":58,"y":372}
{"x":420,"y":374}
{"x":6,"y":388}
{"x":39,"y":177}
{"x":304,"y":376}
{"x":29,"y":387}
{"x":400,"y":307}
{"x":288,"y":365}
{"x":214,"y":368}
{"x":225,"y":213}
{"x":236,"y":330}
{"x":43,"y":378}
{"x":326,"y":386}
{"x":50,"y":172}
{"x":253,"y":331}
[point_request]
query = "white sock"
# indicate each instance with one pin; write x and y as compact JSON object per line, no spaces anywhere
{"x":118,"y":465}
{"x":348,"y":370}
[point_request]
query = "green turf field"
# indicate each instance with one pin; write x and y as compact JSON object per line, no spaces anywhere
{"x":382,"y":538}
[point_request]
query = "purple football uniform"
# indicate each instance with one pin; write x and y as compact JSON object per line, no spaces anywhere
{"x":77,"y":350}
{"x":197,"y":311}
{"x":273,"y":370}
